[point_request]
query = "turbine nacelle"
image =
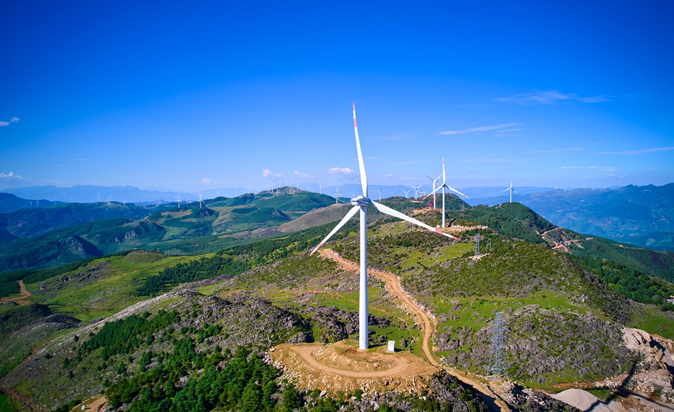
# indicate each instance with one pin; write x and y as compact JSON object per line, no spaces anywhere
{"x":360,"y":201}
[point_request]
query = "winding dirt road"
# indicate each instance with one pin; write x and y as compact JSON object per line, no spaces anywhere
{"x":393,"y":284}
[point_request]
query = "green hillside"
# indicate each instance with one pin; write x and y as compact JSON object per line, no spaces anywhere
{"x":564,"y":312}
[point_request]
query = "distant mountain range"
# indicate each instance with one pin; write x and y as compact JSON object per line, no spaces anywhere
{"x":92,"y":194}
{"x":10,"y":203}
{"x":640,"y":215}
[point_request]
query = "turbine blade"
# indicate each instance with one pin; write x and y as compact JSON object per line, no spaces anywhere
{"x":361,"y":165}
{"x":433,"y":192}
{"x":391,"y":212}
{"x":515,"y":191}
{"x":456,"y":191}
{"x":346,"y":218}
{"x":428,"y":177}
{"x":444,"y":177}
{"x":505,"y":189}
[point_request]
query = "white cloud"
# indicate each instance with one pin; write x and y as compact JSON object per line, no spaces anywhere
{"x":302,"y":175}
{"x":206,"y":180}
{"x":480,"y":129}
{"x":345,"y":171}
{"x":4,"y":123}
{"x":14,"y":119}
{"x":636,"y":152}
{"x":11,"y":175}
{"x":390,"y":175}
{"x":488,"y":160}
{"x":550,"y":97}
{"x":267,"y":173}
{"x":570,"y":149}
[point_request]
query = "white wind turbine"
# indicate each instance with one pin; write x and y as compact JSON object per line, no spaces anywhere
{"x":337,"y":195}
{"x":249,"y":187}
{"x":178,"y":200}
{"x":511,"y":191}
{"x":406,"y":193}
{"x":380,"y":193}
{"x":320,"y":188}
{"x":201,"y":200}
{"x":434,"y":182}
{"x":444,"y":185}
{"x":361,"y":203}
{"x":416,"y":191}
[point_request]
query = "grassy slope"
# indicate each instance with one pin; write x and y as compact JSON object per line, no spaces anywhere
{"x":103,"y":287}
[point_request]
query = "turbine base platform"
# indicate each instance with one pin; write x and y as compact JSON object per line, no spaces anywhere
{"x":343,"y":367}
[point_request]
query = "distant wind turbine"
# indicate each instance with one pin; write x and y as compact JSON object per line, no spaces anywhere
{"x":249,"y":187}
{"x":380,"y":193}
{"x":178,"y":201}
{"x":320,"y":188}
{"x":337,"y":194}
{"x":511,"y":191}
{"x":406,"y":193}
{"x":361,"y":203}
{"x":201,"y":200}
{"x":416,"y":191}
{"x":434,"y":182}
{"x":444,"y":185}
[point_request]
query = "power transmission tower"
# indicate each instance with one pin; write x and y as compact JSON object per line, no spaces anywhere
{"x":497,"y":360}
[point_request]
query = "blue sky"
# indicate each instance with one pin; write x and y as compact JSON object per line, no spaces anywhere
{"x":198,"y":96}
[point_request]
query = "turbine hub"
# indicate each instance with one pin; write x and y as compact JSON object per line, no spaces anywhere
{"x":361,"y":201}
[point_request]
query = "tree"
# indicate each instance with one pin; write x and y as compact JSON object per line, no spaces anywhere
{"x":251,"y":400}
{"x":291,"y":398}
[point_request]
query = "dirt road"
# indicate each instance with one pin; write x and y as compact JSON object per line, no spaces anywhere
{"x":393,"y":283}
{"x":19,"y":300}
{"x":22,"y":289}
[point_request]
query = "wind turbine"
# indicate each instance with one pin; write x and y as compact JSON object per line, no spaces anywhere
{"x":320,"y":188}
{"x":380,"y":193}
{"x":249,"y":187}
{"x":406,"y":193}
{"x":178,"y":201}
{"x":337,"y":194}
{"x":511,"y":191}
{"x":434,"y":182}
{"x":444,"y":185}
{"x":124,"y":202}
{"x":361,"y":203}
{"x":416,"y":191}
{"x":201,"y":201}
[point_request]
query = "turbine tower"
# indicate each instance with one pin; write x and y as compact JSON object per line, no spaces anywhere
{"x":511,"y":191}
{"x":178,"y":201}
{"x":249,"y":187}
{"x":434,"y":182}
{"x":444,"y":185}
{"x":416,"y":191}
{"x":361,"y":203}
{"x":320,"y":188}
{"x":201,"y":200}
{"x":380,"y":193}
{"x":406,"y":193}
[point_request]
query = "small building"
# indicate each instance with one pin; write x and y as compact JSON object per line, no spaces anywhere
{"x":671,"y":300}
{"x":391,"y":346}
